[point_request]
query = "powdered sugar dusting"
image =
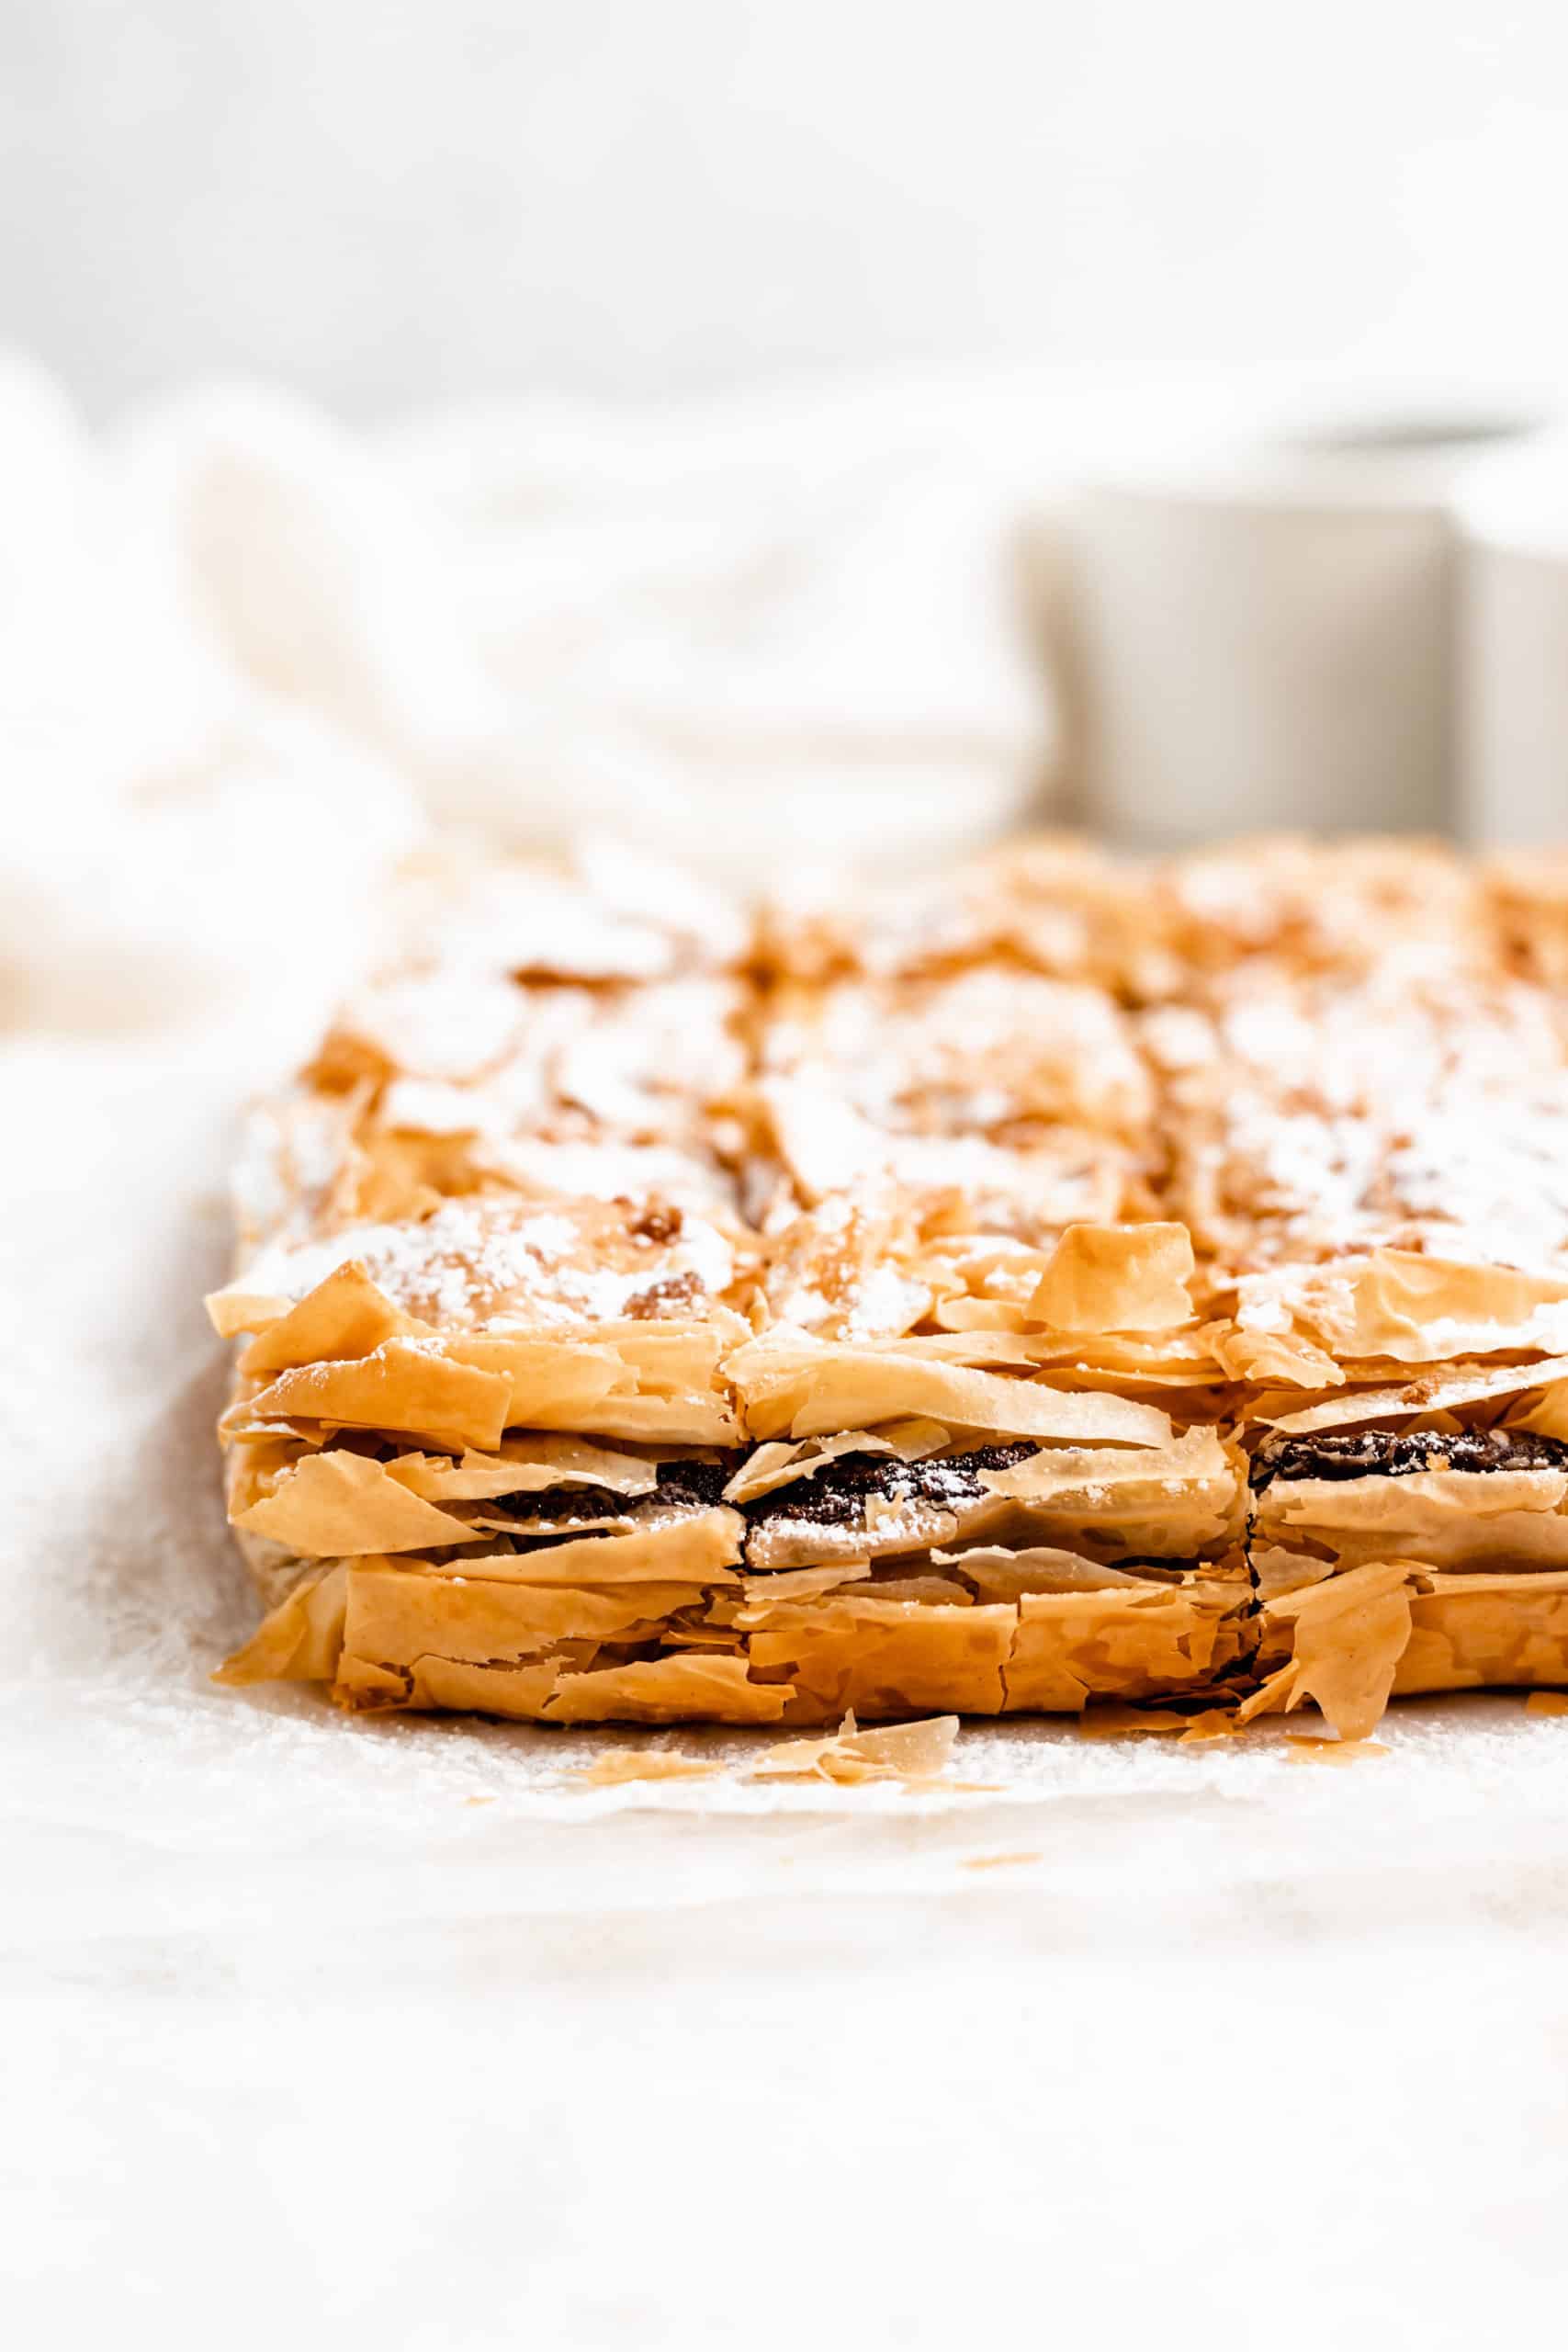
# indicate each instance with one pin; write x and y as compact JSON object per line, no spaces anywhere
{"x":1342,"y":1056}
{"x":479,"y":1262}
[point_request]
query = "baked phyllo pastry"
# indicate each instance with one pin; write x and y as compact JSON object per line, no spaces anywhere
{"x":1056,"y":1282}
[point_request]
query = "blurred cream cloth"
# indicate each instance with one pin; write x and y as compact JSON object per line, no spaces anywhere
{"x":245,"y":656}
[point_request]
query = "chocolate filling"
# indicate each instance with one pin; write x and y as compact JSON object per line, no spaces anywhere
{"x":698,"y":1486}
{"x":1397,"y":1453}
{"x":838,"y":1495}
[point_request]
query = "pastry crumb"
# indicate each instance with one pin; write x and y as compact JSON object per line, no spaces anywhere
{"x":916,"y":1753}
{"x":1304,"y":1749}
{"x":1118,"y":1722}
{"x":615,"y":1766}
{"x":1214,"y":1723}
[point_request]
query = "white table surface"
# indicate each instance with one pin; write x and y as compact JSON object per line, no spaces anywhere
{"x":319,"y":2029}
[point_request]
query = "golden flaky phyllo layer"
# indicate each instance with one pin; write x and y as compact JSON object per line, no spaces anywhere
{"x":1056,"y":1281}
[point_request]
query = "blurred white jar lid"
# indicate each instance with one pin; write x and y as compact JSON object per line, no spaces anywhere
{"x":1513,"y":630}
{"x":1267,"y":625}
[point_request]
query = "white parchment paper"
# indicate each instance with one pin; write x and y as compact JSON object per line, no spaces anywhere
{"x":319,"y":2025}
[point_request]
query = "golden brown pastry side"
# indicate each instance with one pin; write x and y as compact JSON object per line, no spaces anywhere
{"x":1058,"y":1281}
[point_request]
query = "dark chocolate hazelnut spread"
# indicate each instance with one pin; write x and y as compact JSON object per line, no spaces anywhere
{"x":838,"y":1495}
{"x":694,"y":1486}
{"x":1397,"y":1453}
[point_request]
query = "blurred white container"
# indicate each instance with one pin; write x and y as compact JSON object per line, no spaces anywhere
{"x":1267,"y":631}
{"x":1514,"y":634}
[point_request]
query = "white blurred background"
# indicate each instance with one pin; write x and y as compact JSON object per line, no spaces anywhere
{"x":848,"y":431}
{"x":387,"y":202}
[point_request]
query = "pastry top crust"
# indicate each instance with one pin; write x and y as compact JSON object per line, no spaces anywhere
{"x":1053,"y":904}
{"x":1284,"y":1116}
{"x":1057,"y":1279}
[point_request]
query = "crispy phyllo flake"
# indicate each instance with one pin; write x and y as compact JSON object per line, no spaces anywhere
{"x":885,"y":1658}
{"x":1109,"y":1719}
{"x":403,"y":1385}
{"x":618,"y":1768}
{"x":1349,"y":1635}
{"x":1267,"y":1356}
{"x":633,"y":1381}
{"x":1303,"y":1748}
{"x":916,"y":1751}
{"x":1160,"y":1642}
{"x":998,"y":1573}
{"x":395,"y":1616}
{"x":527,"y":1465}
{"x":1430,"y":1392}
{"x":803,"y":1584}
{"x":1177,"y":1500}
{"x":335,"y":1502}
{"x":1211,"y":1724}
{"x":792,"y":1386}
{"x":1446,"y":1518}
{"x":345,"y":1315}
{"x":300,"y":1640}
{"x":240,"y":1306}
{"x":1118,"y":1278}
{"x":698,"y":1548}
{"x":1394,"y":1306}
{"x":695,"y":1686}
{"x":769,"y":1467}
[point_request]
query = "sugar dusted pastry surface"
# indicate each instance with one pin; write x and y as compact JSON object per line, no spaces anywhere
{"x":1056,"y":1282}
